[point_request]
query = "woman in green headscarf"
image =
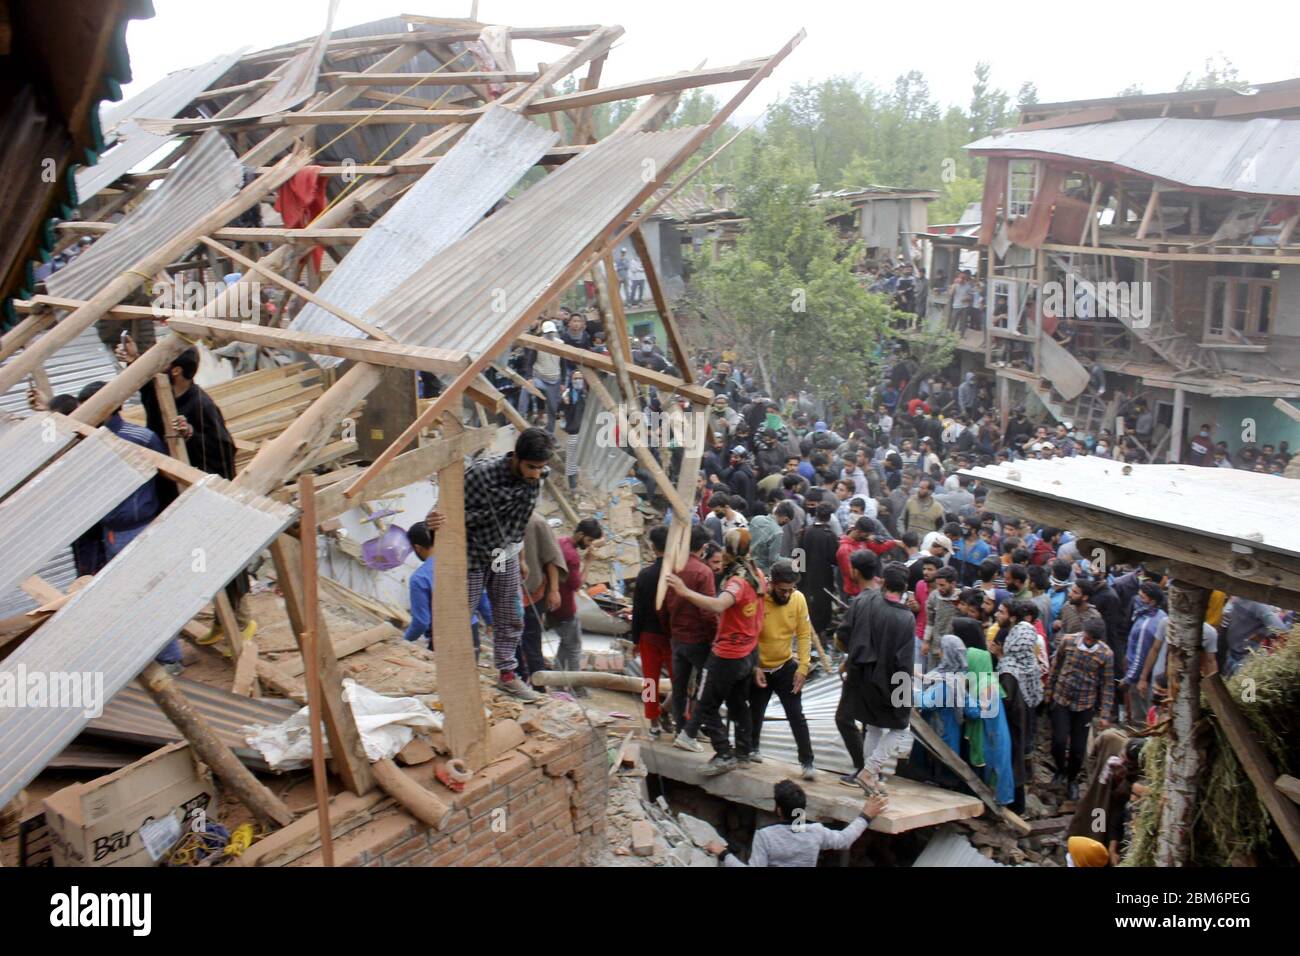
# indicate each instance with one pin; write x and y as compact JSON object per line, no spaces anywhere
{"x":988,"y":735}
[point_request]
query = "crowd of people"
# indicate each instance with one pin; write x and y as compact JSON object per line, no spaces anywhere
{"x":858,"y":545}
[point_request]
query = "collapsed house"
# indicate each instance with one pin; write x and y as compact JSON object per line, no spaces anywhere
{"x":1149,"y":242}
{"x":453,"y":197}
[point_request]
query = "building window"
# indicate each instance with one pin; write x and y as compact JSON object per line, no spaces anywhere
{"x":1022,"y":186}
{"x":1239,"y":306}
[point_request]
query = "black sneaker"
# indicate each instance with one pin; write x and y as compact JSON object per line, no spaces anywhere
{"x":719,"y":765}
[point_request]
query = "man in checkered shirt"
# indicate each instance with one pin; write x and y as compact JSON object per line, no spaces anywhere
{"x":500,"y":494}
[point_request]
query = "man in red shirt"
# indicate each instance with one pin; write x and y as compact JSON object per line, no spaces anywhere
{"x":564,"y":619}
{"x":691,"y":630}
{"x":730,"y":666}
{"x":862,"y":537}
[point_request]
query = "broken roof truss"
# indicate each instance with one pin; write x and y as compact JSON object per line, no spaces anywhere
{"x":425,"y":128}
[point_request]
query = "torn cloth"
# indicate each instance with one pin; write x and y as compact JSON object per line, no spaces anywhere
{"x":300,"y":201}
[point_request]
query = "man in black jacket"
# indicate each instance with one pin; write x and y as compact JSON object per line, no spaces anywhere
{"x":879,"y":636}
{"x":651,"y":636}
{"x":740,"y":477}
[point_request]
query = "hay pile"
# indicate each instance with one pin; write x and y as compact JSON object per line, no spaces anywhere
{"x":1232,"y":826}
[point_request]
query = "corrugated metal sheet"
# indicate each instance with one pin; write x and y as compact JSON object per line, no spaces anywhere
{"x":133,"y":716}
{"x":949,"y":848}
{"x":473,"y":292}
{"x":60,"y":571}
{"x":208,"y":175}
{"x":121,"y":620}
{"x":26,"y":447}
{"x":83,"y":360}
{"x":296,"y":82}
{"x":133,"y":145}
{"x":366,"y":144}
{"x":603,"y":465}
{"x":443,"y":205}
{"x":47,"y":513}
{"x":1259,"y":156}
{"x":820,"y":698}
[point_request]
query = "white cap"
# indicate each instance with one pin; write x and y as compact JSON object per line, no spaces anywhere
{"x":548,"y":328}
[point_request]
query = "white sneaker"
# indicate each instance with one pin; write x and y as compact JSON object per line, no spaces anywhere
{"x":683,"y":742}
{"x":518,"y":689}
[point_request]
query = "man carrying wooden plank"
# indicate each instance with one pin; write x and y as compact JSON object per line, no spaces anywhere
{"x":208,"y":444}
{"x":500,"y":494}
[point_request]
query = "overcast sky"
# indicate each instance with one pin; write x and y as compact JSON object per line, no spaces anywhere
{"x":1070,"y":51}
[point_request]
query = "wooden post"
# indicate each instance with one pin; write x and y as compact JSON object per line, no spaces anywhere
{"x":221,"y":605}
{"x":677,"y":550}
{"x":1176,"y":426}
{"x":419,"y":802}
{"x":310,"y":657}
{"x":1149,"y":212}
{"x":642,"y":453}
{"x":683,"y":359}
{"x":234,"y":775}
{"x":126,"y":282}
{"x":1254,"y":760}
{"x":1187,"y":605}
{"x":935,"y":744}
{"x":462,"y":702}
{"x":345,"y":740}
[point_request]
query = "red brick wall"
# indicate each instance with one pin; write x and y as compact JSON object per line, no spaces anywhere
{"x":543,"y":805}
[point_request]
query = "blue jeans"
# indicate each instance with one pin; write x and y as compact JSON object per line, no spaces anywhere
{"x":552,"y":392}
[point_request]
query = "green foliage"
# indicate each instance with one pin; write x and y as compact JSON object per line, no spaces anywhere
{"x":786,"y":296}
{"x":957,"y":195}
{"x":1217,"y":75}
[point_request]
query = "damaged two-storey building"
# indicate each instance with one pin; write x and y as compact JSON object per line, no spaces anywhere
{"x":1140,"y":265}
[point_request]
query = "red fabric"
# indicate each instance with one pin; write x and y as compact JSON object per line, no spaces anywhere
{"x":740,"y":624}
{"x":1030,"y":230}
{"x":921,"y":593}
{"x":656,"y":655}
{"x":300,"y":201}
{"x":1042,"y":554}
{"x":568,"y":608}
{"x":846,"y":548}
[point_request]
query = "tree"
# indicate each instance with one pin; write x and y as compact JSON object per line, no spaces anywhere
{"x":1217,"y":76}
{"x":957,"y":195}
{"x":988,"y":107}
{"x":1028,"y":95}
{"x":1133,"y":89}
{"x":785,"y":296}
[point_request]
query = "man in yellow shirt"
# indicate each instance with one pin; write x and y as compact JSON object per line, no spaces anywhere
{"x":786,"y":626}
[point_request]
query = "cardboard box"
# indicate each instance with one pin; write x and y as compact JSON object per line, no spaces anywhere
{"x":98,"y":823}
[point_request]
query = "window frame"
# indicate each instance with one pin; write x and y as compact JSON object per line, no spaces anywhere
{"x":1031,"y":169}
{"x":1227,"y":291}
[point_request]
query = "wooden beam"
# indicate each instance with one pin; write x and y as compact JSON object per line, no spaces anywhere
{"x":416,"y":800}
{"x":604,"y":363}
{"x":945,"y":754}
{"x":677,"y":82}
{"x":410,"y":467}
{"x":465,"y":727}
{"x":345,"y":740}
{"x":209,"y":748}
{"x":643,"y":454}
{"x":675,"y":341}
{"x":1187,"y":606}
{"x":306,"y":234}
{"x":677,"y":550}
{"x":1254,"y":760}
{"x":451,"y":78}
{"x":126,"y":282}
{"x":22,"y":333}
{"x":308,"y":642}
{"x":1288,"y":786}
{"x":440,"y":361}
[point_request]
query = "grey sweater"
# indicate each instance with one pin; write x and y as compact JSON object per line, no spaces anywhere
{"x":782,"y":845}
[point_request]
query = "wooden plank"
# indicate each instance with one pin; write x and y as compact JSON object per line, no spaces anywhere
{"x":603,"y":363}
{"x":452,"y":78}
{"x":1254,"y":760}
{"x":345,"y":741}
{"x":935,"y":744}
{"x":643,"y":454}
{"x":465,"y":726}
{"x":346,"y":646}
{"x":681,"y":357}
{"x":308,"y":642}
{"x":245,"y":682}
{"x":410,"y":467}
{"x":677,"y":550}
{"x":677,"y":82}
{"x":1288,"y":786}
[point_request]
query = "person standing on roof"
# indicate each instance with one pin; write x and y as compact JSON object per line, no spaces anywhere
{"x":548,"y":375}
{"x":500,"y":493}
